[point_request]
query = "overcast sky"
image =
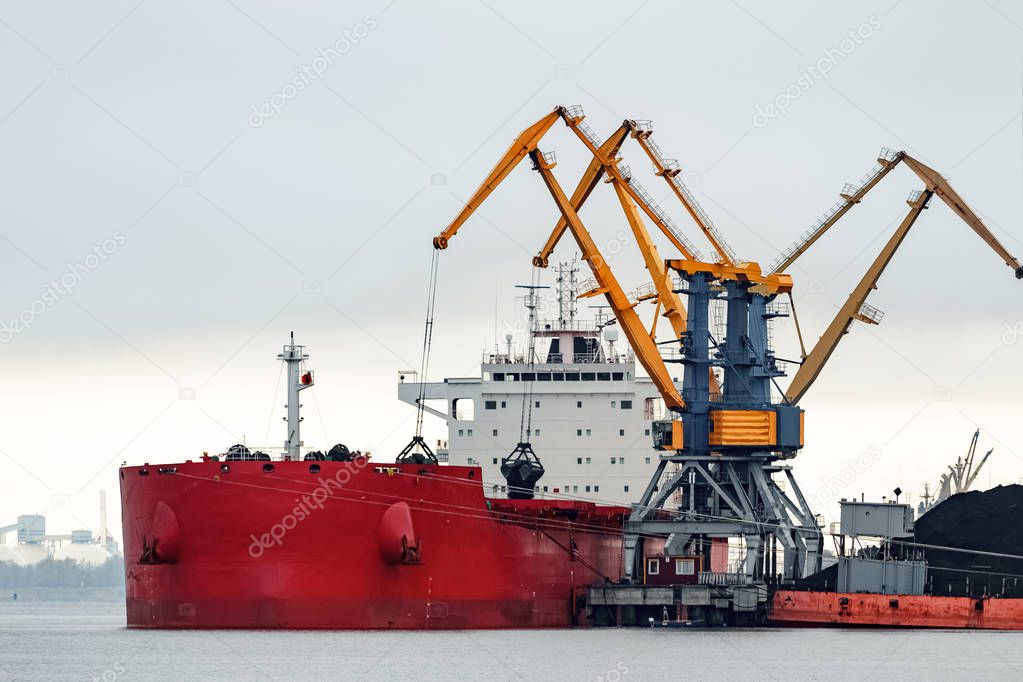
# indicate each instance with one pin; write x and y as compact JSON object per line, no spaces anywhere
{"x":199,"y":178}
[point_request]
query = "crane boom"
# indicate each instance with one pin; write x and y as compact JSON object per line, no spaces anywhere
{"x":523,"y":144}
{"x":850,"y":196}
{"x":574,"y":119}
{"x":592,"y":175}
{"x":669,"y":169}
{"x":645,"y":348}
{"x":852,"y":310}
{"x":939,"y":186}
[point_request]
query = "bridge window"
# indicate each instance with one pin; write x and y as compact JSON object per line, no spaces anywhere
{"x":617,"y":376}
{"x":463,"y":410}
{"x":589,"y":376}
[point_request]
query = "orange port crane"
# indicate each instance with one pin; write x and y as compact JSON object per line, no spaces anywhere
{"x":630,"y":193}
{"x":856,"y":307}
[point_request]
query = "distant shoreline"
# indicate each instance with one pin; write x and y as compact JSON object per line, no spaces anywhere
{"x":64,"y":594}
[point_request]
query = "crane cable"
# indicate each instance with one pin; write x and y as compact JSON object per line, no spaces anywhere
{"x":427,"y":342}
{"x":526,"y":416}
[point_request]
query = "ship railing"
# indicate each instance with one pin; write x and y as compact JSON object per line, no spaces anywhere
{"x":568,"y":325}
{"x":721,"y":579}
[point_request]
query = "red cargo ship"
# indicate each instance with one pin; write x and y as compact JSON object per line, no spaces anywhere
{"x":255,"y":544}
{"x":342,"y":542}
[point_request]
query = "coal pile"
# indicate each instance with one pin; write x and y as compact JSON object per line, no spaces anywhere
{"x":989,"y":521}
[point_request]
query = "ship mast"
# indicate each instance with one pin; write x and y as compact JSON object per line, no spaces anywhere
{"x":293,"y":356}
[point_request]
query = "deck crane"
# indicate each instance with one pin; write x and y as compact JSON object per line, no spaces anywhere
{"x":856,"y":307}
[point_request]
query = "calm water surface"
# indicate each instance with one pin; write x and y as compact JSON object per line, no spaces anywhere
{"x":61,"y":640}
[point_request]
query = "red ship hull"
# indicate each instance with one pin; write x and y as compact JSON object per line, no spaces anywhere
{"x":353,"y":545}
{"x":789,"y":607}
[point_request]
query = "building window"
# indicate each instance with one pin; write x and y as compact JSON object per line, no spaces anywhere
{"x":588,"y":460}
{"x":614,"y":460}
{"x":621,"y":460}
{"x":653,"y":566}
{"x":596,"y":488}
{"x":621,"y":432}
{"x":495,"y":488}
{"x":625,"y":488}
{"x":587,"y":488}
{"x":685,"y":566}
{"x":575,"y":488}
{"x":504,"y":403}
{"x":613,"y":403}
{"x":578,"y":403}
{"x":647,"y":460}
{"x":545,"y":488}
{"x":490,"y":404}
{"x":626,"y":404}
{"x":461,"y":432}
{"x":646,"y":432}
{"x":495,"y":433}
{"x":495,"y":460}
{"x":469,"y":432}
{"x":536,"y":404}
{"x":536,"y":432}
{"x":588,"y":432}
{"x":578,"y":432}
{"x":578,"y":460}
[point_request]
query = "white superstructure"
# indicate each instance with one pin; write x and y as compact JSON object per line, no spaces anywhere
{"x":591,"y":414}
